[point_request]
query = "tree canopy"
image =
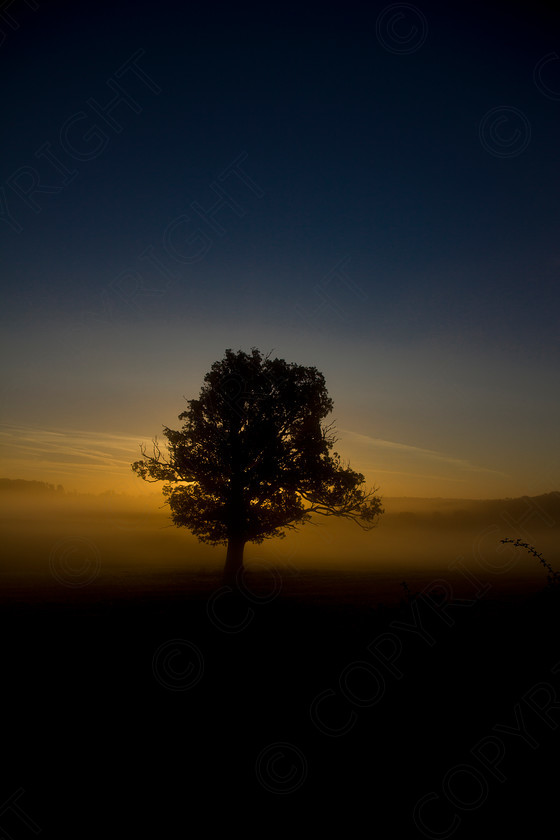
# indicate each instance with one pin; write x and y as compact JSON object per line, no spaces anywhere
{"x":254,"y":458}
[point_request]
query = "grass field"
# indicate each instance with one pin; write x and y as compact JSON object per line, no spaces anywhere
{"x":147,"y":699}
{"x":137,"y":702}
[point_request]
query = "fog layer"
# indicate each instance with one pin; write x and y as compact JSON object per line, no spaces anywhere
{"x":72,"y":540}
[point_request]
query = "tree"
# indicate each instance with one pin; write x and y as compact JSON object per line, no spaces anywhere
{"x":254,"y":459}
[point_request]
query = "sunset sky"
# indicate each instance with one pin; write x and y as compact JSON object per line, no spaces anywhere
{"x":385,"y":181}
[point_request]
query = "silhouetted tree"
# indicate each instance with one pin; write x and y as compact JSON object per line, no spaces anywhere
{"x":253,"y":458}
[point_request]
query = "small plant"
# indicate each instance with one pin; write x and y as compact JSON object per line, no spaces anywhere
{"x":408,"y":595}
{"x":553,"y":578}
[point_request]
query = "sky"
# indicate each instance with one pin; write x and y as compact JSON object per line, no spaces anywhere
{"x":371,"y":189}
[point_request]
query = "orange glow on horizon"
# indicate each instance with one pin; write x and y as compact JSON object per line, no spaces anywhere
{"x":95,"y":462}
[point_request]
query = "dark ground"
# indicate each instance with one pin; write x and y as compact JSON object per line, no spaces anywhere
{"x":145,"y":707}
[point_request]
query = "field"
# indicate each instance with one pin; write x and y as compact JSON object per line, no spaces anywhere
{"x":151,"y":699}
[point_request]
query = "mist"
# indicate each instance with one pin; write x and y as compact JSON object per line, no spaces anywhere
{"x":65,"y":542}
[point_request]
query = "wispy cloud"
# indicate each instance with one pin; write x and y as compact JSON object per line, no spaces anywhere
{"x":80,"y":458}
{"x":62,"y":454}
{"x":380,"y":449}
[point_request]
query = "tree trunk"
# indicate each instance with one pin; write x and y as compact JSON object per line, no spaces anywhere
{"x":234,"y":561}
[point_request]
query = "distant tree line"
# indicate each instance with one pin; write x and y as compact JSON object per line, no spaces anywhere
{"x":20,"y":485}
{"x":540,"y":511}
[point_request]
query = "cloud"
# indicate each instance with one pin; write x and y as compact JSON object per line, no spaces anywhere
{"x":63,"y":454}
{"x":411,"y":455}
{"x":84,"y":459}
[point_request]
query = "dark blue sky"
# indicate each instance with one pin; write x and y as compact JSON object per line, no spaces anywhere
{"x":390,"y":179}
